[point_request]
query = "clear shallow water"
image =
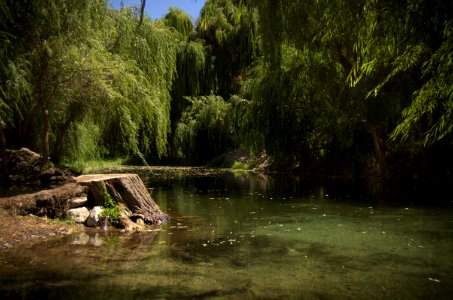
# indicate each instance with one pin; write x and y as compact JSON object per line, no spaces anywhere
{"x":241,"y":237}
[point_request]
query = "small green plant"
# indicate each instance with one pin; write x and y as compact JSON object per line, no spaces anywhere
{"x":113,"y":213}
{"x":111,"y":210}
{"x":252,"y":163}
{"x":108,"y":200}
{"x":63,"y":221}
{"x":240,"y":166}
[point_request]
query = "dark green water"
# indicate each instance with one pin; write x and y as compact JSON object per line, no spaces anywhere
{"x":246,"y":237}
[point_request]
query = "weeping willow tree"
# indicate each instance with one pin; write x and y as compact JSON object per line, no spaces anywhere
{"x":37,"y":34}
{"x":179,"y":21}
{"x":300,"y":100}
{"x":230,"y":30}
{"x":86,"y":76}
{"x":404,"y":50}
{"x":216,"y":56}
{"x":411,"y":41}
{"x":191,"y":67}
{"x":214,"y":60}
{"x":204,"y":129}
{"x":432,"y":105}
{"x":383,"y":56}
{"x":294,"y":113}
{"x":150,"y":51}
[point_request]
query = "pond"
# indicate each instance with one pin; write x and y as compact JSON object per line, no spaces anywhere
{"x":247,"y":236}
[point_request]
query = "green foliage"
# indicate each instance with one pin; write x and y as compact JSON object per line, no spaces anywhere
{"x":108,"y":200}
{"x":237,"y":165}
{"x":230,"y":30}
{"x":432,"y":105}
{"x":204,"y":129}
{"x":354,"y":68}
{"x":63,"y":221}
{"x":104,"y":80}
{"x":415,"y":39}
{"x":191,"y":67}
{"x":294,"y":97}
{"x":179,"y":20}
{"x":111,"y":209}
{"x":313,"y":83}
{"x":113,"y":213}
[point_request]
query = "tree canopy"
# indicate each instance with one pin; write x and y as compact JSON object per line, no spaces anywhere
{"x":323,"y":86}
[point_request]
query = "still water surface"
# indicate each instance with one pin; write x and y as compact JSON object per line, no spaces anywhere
{"x":245,"y":236}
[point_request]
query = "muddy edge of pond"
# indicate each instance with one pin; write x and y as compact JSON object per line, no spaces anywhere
{"x":16,"y":230}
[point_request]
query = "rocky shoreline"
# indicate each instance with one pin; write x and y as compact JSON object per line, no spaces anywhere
{"x":66,"y":204}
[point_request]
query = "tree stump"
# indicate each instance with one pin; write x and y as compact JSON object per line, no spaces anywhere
{"x":127,"y":189}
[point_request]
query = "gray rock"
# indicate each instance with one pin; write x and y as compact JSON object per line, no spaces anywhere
{"x":77,"y":202}
{"x":78,"y":214}
{"x":93,"y":217}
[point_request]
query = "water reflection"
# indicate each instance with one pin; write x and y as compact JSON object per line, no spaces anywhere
{"x":248,"y":236}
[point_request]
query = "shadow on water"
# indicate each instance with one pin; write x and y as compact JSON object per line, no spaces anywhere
{"x":242,"y":236}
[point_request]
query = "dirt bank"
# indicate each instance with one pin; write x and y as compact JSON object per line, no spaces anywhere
{"x":16,"y":230}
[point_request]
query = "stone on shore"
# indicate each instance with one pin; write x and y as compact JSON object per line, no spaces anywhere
{"x":77,"y":202}
{"x":79,"y":215}
{"x":93,"y":217}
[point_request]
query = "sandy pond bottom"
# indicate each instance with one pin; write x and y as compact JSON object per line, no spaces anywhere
{"x":235,"y":237}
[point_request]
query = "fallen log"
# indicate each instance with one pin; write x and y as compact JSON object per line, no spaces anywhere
{"x":127,"y":189}
{"x":52,"y":203}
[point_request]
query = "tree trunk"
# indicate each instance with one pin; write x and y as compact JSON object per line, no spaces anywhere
{"x":42,"y":101}
{"x":380,"y":147}
{"x":127,"y":189}
{"x":45,"y":146}
{"x":2,"y":149}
